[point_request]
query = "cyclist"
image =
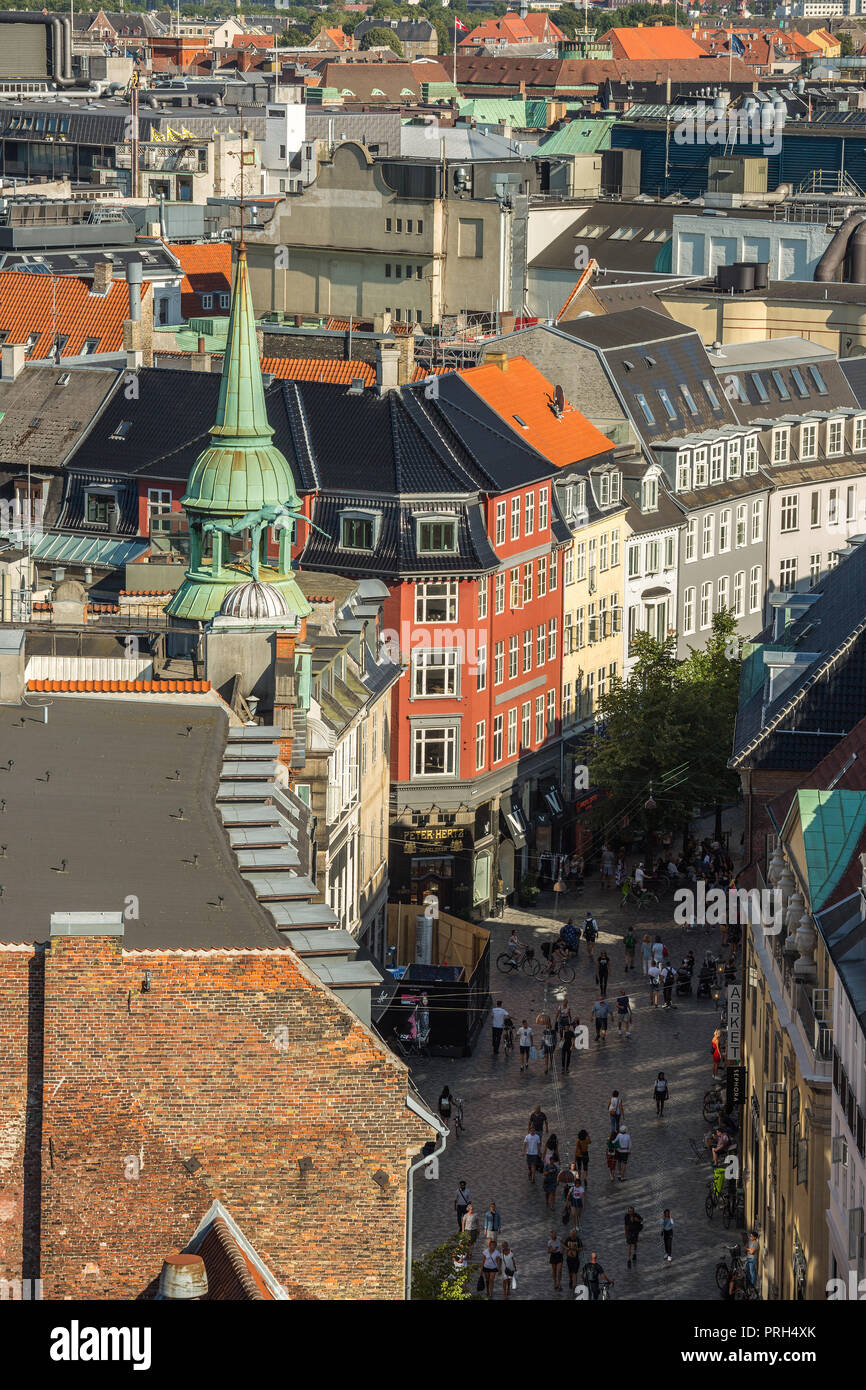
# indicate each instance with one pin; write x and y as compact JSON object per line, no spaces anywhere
{"x":516,"y":947}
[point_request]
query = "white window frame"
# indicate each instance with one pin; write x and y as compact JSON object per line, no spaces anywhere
{"x":529,"y":514}
{"x":706,"y":614}
{"x":689,"y":596}
{"x":724,"y":530}
{"x":515,"y":518}
{"x":808,"y":441}
{"x":755,"y":595}
{"x":543,"y":508}
{"x":445,"y":659}
{"x":781,"y":444}
{"x":423,"y":734}
{"x":501,"y":521}
{"x":835,"y":438}
{"x":708,"y":536}
{"x":423,"y":597}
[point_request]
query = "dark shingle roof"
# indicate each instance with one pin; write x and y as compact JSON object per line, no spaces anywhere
{"x":828,"y":695}
{"x":395,"y":552}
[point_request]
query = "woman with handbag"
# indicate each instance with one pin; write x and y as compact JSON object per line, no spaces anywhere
{"x":509,"y":1269}
{"x":661,"y":1094}
{"x":491,"y":1265}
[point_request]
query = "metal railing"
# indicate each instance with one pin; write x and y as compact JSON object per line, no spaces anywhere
{"x":819,"y":1033}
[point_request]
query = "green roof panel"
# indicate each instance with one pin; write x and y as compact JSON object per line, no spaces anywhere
{"x":832,"y":823}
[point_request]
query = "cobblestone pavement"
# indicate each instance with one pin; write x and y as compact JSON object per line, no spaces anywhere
{"x":662,"y":1170}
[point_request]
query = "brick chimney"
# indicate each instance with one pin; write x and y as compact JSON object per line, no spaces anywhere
{"x":496,"y":358}
{"x":103,"y":274}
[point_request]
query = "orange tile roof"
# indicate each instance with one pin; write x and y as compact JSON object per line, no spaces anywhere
{"x":662,"y":41}
{"x":422,"y":373}
{"x":523,"y":390}
{"x":319,"y":369}
{"x":122,"y":687}
{"x":65,"y":305}
{"x":207,"y":269}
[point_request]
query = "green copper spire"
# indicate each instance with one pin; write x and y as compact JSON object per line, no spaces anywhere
{"x":240,"y":485}
{"x":241,"y":470}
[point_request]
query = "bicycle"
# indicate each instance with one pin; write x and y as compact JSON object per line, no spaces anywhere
{"x":510,"y":964}
{"x":735,"y":1273}
{"x":509,"y":1038}
{"x":733,"y":1206}
{"x":631,"y":897}
{"x":715,"y":1189}
{"x":606,"y":1292}
{"x":563,"y":972}
{"x":457,"y":1116}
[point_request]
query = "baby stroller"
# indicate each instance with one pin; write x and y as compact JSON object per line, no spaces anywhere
{"x":684,"y":978}
{"x":706,"y":977}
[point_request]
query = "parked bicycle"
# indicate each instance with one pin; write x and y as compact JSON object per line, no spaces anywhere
{"x":457,"y":1125}
{"x":731,"y":1278}
{"x":715,"y":1191}
{"x":509,"y":1036}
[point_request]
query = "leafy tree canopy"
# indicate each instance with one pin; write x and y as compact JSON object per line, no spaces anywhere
{"x":668,"y":715}
{"x":380,"y":37}
{"x":435,"y":1279}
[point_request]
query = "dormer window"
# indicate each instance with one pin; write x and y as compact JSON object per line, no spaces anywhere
{"x":735,"y":449}
{"x":808,"y":441}
{"x":700,"y":467}
{"x":437,"y":536}
{"x":684,"y":470}
{"x":359,"y":530}
{"x":781,"y":443}
{"x":649,"y":495}
{"x":717,"y":463}
{"x":604,"y":490}
{"x":835,"y":437}
{"x":750,"y":458}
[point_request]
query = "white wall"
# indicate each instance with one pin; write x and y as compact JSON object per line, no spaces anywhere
{"x":702,"y":244}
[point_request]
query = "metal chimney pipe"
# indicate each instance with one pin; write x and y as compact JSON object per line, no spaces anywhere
{"x":133,"y":279}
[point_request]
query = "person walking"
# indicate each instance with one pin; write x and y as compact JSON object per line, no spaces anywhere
{"x":622,"y":1143}
{"x":549,"y":1183}
{"x":538,"y":1119}
{"x":646,"y":953}
{"x":492,"y":1222}
{"x":461,"y":1202}
{"x":610,"y":1158}
{"x":654,"y":984}
{"x":623,"y":1013}
{"x":548,"y":1042}
{"x":615,"y":1112}
{"x":524,"y":1042}
{"x":575,"y":1200}
{"x":668,"y":979}
{"x":590,"y":934}
{"x":621,"y":870}
{"x":751,"y":1258}
{"x":444,"y":1105}
{"x":551,"y":1152}
{"x":660,"y":1093}
{"x":573,"y":1247}
{"x":562,"y":1017}
{"x":600,"y":1011}
{"x":717,"y":1053}
{"x":608,"y":867}
{"x":667,"y":1230}
{"x":491,"y":1265}
{"x":471,"y":1226}
{"x":601,"y":972}
{"x":629,"y":942}
{"x":566,"y":1047}
{"x":658,"y":952}
{"x":498,"y":1016}
{"x":555,"y":1254}
{"x":633,"y":1227}
{"x":508,"y":1268}
{"x":532,"y":1152}
{"x":593,"y":1273}
{"x":581,"y":1154}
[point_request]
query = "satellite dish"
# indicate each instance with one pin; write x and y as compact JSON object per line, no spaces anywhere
{"x":558,"y":400}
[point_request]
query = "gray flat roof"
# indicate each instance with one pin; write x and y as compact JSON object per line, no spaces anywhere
{"x":110,"y":810}
{"x":768,"y":353}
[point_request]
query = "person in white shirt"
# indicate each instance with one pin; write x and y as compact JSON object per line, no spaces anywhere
{"x":524,"y":1042}
{"x":532,"y":1152}
{"x":509,"y":1268}
{"x":623,"y":1149}
{"x":654,"y":974}
{"x":639,"y":877}
{"x":498,"y":1015}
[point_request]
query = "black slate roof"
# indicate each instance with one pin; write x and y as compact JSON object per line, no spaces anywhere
{"x":395,"y":552}
{"x":854,"y":369}
{"x":829,"y":694}
{"x":790,"y":389}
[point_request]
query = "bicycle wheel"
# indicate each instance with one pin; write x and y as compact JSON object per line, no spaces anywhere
{"x":709,"y":1206}
{"x":505,"y":963}
{"x":752,"y":1292}
{"x":723,"y":1275}
{"x":566,"y":974}
{"x":740,"y":1294}
{"x":530,"y":966}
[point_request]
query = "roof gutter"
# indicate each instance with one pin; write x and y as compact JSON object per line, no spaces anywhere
{"x":428,"y":1161}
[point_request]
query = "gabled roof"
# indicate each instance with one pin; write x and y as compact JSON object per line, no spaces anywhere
{"x":657,"y":42}
{"x":325,"y":369}
{"x":523,"y":399}
{"x":207,"y":268}
{"x":65,"y":306}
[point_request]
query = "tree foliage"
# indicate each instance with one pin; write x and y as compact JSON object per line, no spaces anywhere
{"x":380,"y":37}
{"x":665,"y":714}
{"x":434,"y":1278}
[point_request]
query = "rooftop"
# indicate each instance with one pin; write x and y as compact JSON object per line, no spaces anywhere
{"x":112,"y":793}
{"x":48,"y":309}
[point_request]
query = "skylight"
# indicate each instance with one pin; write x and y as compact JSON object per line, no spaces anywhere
{"x":763,"y":393}
{"x":818,"y":380}
{"x":780,"y":386}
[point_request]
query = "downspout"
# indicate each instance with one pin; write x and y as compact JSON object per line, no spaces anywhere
{"x":410,"y":1185}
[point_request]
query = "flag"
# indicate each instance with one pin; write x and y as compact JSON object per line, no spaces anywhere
{"x":738,"y":48}
{"x":458,"y":24}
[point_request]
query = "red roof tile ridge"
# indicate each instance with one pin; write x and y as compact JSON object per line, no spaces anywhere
{"x":208,"y":951}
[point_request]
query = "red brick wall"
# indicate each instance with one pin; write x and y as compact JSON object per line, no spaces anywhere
{"x":135,"y":1083}
{"x":20,"y":992}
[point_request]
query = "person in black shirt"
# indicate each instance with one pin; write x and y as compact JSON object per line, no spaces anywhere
{"x":593,"y":1273}
{"x":539,"y":1120}
{"x":633,"y":1226}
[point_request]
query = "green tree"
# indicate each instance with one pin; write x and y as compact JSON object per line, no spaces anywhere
{"x":846,"y":44}
{"x":434,"y":1278}
{"x":631,"y":15}
{"x":667,"y":715}
{"x":380,"y":37}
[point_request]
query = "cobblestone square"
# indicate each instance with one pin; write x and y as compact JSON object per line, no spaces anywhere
{"x":662,"y":1170}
